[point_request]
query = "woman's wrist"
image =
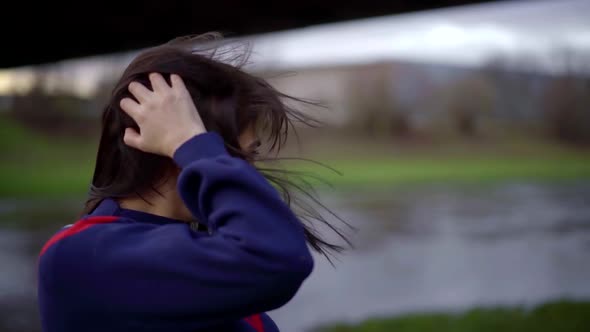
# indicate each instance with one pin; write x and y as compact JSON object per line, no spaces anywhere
{"x":178,"y":141}
{"x":200,"y":146}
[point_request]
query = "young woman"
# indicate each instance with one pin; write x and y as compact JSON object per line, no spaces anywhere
{"x":181,"y":231}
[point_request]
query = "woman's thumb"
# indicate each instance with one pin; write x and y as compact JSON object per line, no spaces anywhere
{"x":132,"y":138}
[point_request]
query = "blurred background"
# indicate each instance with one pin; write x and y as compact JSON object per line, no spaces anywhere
{"x":460,"y":131}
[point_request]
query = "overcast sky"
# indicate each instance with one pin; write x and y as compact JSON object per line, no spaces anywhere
{"x":467,"y":36}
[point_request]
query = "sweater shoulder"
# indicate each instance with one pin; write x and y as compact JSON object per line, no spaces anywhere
{"x":83,"y":225}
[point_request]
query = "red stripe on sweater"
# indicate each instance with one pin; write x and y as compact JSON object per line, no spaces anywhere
{"x":77,"y":228}
{"x":256,"y":322}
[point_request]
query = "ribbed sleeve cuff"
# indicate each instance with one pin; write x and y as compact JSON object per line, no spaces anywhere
{"x":207,"y":145}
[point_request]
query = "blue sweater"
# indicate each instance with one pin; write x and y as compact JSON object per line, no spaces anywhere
{"x":125,"y":270}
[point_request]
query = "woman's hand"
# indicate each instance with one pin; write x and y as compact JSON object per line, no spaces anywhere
{"x":166,"y":116}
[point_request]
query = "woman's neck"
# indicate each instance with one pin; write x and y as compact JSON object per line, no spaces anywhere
{"x":168,"y":204}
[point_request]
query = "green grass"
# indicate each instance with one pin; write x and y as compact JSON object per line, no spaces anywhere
{"x":35,"y":165}
{"x":562,"y":316}
{"x":38,"y":166}
{"x":45,"y":178}
{"x":62,"y":176}
{"x":391,"y":171}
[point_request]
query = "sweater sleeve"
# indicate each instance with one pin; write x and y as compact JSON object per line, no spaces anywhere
{"x":254,"y":258}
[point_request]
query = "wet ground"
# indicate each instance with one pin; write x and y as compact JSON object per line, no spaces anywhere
{"x":421,"y":248}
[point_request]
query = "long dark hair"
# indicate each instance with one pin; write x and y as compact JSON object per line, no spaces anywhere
{"x":228,"y":100}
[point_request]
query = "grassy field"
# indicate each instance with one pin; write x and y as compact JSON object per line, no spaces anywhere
{"x":53,"y":175}
{"x":37,"y":166}
{"x":418,"y":170}
{"x":560,"y":316}
{"x":34,"y":165}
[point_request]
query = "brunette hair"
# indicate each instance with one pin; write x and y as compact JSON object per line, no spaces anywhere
{"x":228,"y":100}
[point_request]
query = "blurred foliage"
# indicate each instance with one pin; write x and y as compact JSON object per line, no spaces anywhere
{"x":49,"y":136}
{"x":568,"y":109}
{"x":468,"y":101}
{"x":408,"y":100}
{"x":562,"y":316}
{"x":57,"y":113}
{"x":374,"y":110}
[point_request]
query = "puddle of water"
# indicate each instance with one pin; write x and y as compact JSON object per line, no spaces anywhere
{"x":427,"y":248}
{"x":18,"y":311}
{"x":450,"y":249}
